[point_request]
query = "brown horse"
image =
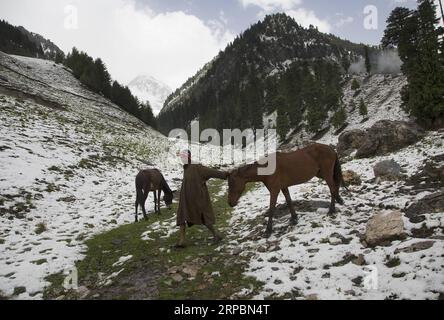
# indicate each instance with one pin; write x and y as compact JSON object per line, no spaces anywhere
{"x":294,"y":168}
{"x":152,"y":180}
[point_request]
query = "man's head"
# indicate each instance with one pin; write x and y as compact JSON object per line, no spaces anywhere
{"x":185,"y":156}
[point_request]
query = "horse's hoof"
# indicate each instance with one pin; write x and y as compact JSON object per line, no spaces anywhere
{"x":217,"y":241}
{"x":179,"y":246}
{"x":294,"y":221}
{"x":268,"y":234}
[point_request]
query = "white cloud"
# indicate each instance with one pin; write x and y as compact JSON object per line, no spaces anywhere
{"x":271,"y":5}
{"x":170,"y":46}
{"x":344,"y":21}
{"x":307,"y":17}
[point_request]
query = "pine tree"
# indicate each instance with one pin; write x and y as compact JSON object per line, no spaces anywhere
{"x":355,"y":85}
{"x":282,"y":122}
{"x":363,"y":111}
{"x":426,"y":80}
{"x":339,"y":118}
{"x":60,"y":58}
{"x":416,"y":35}
{"x":368,"y":66}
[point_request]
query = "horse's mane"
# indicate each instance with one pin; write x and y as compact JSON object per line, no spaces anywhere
{"x":244,"y":169}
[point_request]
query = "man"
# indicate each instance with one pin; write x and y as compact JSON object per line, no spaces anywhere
{"x":195,"y":205}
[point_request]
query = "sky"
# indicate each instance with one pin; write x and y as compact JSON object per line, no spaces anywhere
{"x":172,"y":39}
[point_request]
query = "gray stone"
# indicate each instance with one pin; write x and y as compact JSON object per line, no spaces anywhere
{"x":384,"y":227}
{"x":419,"y":246}
{"x":387,"y":170}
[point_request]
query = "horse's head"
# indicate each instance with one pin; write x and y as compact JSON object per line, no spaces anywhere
{"x":168,"y":198}
{"x":236,"y":187}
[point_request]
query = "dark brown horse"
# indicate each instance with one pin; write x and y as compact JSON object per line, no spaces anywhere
{"x":152,"y":180}
{"x":294,"y":168}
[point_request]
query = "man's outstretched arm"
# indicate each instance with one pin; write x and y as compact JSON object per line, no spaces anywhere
{"x":208,"y":173}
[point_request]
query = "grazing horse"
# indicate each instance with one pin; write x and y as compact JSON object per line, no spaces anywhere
{"x":152,"y":180}
{"x":294,"y":168}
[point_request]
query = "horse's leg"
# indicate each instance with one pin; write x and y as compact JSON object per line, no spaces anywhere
{"x":294,"y":216}
{"x":137,"y":207}
{"x":159,"y":193}
{"x":145,"y":196}
{"x":333,"y":193}
{"x":271,"y":210}
{"x":155,"y":201}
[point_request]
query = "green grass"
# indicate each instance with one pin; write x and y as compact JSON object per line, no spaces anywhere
{"x":41,"y":227}
{"x":105,"y":249}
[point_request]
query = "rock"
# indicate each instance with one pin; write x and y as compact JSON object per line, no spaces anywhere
{"x":350,"y":141}
{"x":384,"y":227}
{"x":312,"y":297}
{"x":357,"y":281}
{"x":191,"y":270}
{"x":237,"y":251}
{"x":387,"y":170}
{"x":173,"y":270}
{"x":388,"y":136}
{"x":334,"y":241}
{"x":359,"y":261}
{"x":430,"y":175}
{"x":351,"y":178}
{"x":350,"y":293}
{"x":83,"y":292}
{"x":433,"y":203}
{"x":419,"y":246}
{"x":177,"y":277}
{"x":262,"y":249}
{"x":69,"y":199}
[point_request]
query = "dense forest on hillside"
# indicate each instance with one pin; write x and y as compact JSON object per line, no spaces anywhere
{"x":94,"y":74}
{"x":279,"y":66}
{"x":14,"y":41}
{"x":276,"y":65}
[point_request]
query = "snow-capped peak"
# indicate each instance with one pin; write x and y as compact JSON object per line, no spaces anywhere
{"x":148,"y":88}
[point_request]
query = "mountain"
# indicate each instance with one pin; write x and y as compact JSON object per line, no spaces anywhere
{"x":50,"y":50}
{"x":18,"y":40}
{"x":275,"y":57}
{"x":148,"y":88}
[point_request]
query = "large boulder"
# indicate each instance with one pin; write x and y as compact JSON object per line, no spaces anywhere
{"x":387,"y":170}
{"x":350,"y":141}
{"x":383,"y":228}
{"x":388,"y":136}
{"x":383,"y":137}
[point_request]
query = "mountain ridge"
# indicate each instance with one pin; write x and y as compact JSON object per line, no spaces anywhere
{"x":263,"y":52}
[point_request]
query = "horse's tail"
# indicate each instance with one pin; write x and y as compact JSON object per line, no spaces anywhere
{"x":338,"y":176}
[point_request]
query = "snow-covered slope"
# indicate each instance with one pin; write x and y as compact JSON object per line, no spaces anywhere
{"x":315,"y":259}
{"x":68,"y":159}
{"x":147,"y":88}
{"x":380,"y":92}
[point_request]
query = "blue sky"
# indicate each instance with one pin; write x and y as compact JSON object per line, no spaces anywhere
{"x":172,"y":39}
{"x":345,"y":17}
